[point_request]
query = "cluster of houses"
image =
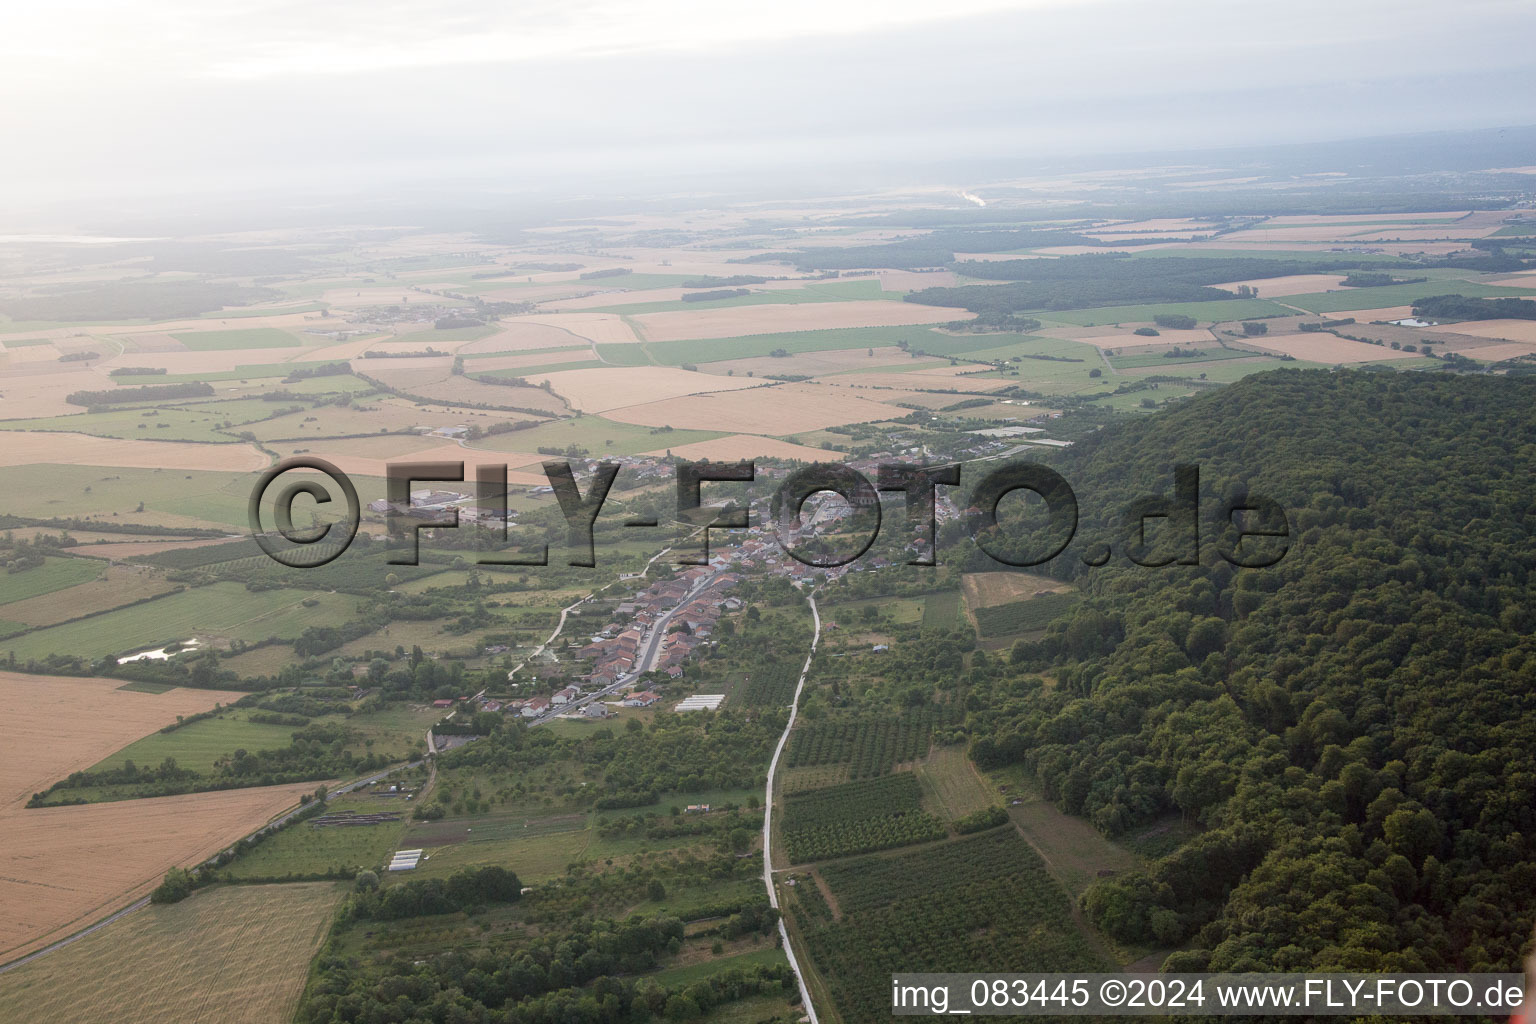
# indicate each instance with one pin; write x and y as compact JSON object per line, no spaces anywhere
{"x":616,"y":649}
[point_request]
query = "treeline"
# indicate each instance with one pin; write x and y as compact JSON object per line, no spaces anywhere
{"x":420,"y":897}
{"x":722,"y":293}
{"x":593,"y":275}
{"x":1460,"y":307}
{"x":133,"y":300}
{"x":323,"y":370}
{"x":137,"y":371}
{"x":1374,"y":279}
{"x":318,"y":751}
{"x":150,"y":393}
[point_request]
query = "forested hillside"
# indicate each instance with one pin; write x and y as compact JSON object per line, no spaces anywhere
{"x":1353,"y":730}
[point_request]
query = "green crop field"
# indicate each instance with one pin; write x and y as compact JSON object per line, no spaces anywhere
{"x":201,"y":421}
{"x":198,"y":745}
{"x":595,"y":434}
{"x":706,"y":350}
{"x":223,"y":610}
{"x":54,"y":574}
{"x":249,"y":337}
{"x":304,"y":849}
{"x":941,"y":611}
{"x":1206,"y":312}
{"x":1212,"y":352}
{"x":1395,"y":295}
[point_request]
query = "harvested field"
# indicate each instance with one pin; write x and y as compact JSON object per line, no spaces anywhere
{"x":1126,"y":336}
{"x":737,"y":321}
{"x":135,"y":548}
{"x":814,"y":364}
{"x":61,"y":867}
{"x":602,"y":388}
{"x":986,"y":589}
{"x":576,"y":352}
{"x":1527,"y":281}
{"x":521,"y":335}
{"x":1294,"y":284}
{"x":380,"y":446}
{"x":1503,"y":330}
{"x":604,"y":328}
{"x":1365,"y":316}
{"x":780,"y":410}
{"x":916,"y":379}
{"x":22,"y":354}
{"x":30,"y":392}
{"x":29,"y":448}
{"x":440,"y":451}
{"x":745,"y":446}
{"x":233,"y":955}
{"x":443,"y":386}
{"x":1494,"y":353}
{"x":102,"y":719}
{"x":1327,"y":349}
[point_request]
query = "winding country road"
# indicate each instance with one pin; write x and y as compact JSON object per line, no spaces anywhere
{"x":773,"y":767}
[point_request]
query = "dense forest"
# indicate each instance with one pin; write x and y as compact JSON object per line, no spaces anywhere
{"x":1352,"y":731}
{"x":1071,"y":282}
{"x":1460,"y":307}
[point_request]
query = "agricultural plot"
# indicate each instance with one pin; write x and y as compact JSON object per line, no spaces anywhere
{"x":219,"y":612}
{"x":776,"y":411}
{"x":857,"y":817}
{"x":740,"y":321}
{"x":29,"y":449}
{"x":198,"y":745}
{"x":737,"y":447}
{"x":984,"y":589}
{"x":598,"y":390}
{"x":1218,"y":311}
{"x":1328,"y":349}
{"x":253,"y":337}
{"x":869,"y":745}
{"x":305,"y":849}
{"x":62,"y":867}
{"x":1022,"y":616}
{"x":236,"y":955}
{"x":980,"y":904}
{"x":54,"y":574}
{"x":1393,"y":295}
{"x":768,"y":686}
{"x":118,"y":586}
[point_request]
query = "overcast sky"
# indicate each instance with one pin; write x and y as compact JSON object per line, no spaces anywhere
{"x":220,"y":96}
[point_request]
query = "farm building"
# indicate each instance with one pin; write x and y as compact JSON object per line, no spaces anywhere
{"x":565,"y":696}
{"x":596,"y":710}
{"x":535,"y":707}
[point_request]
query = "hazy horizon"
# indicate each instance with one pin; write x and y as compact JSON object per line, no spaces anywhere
{"x":358,"y":100}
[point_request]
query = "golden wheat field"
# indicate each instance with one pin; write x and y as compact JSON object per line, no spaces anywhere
{"x":233,"y":955}
{"x":736,"y":321}
{"x":601,"y":388}
{"x":25,"y":449}
{"x":63,"y":867}
{"x":776,"y":411}
{"x":1325,"y":348}
{"x":737,"y":447}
